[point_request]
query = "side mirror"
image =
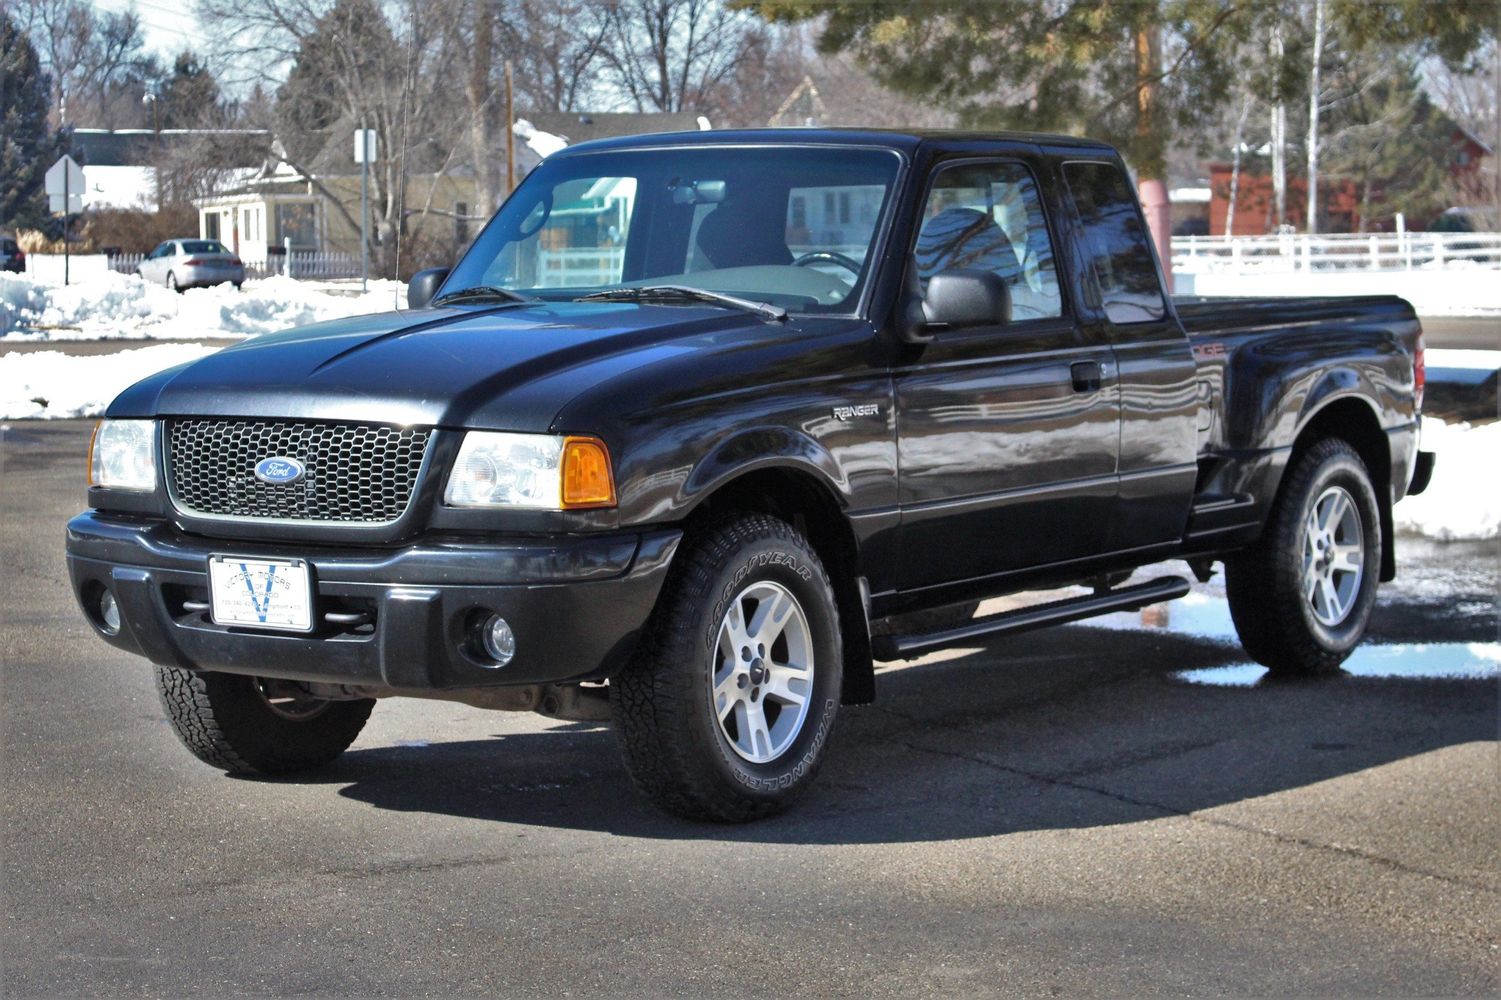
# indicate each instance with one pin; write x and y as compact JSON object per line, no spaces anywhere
{"x":424,"y":285}
{"x":962,"y":298}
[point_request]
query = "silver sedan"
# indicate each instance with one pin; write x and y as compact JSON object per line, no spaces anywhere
{"x":180,"y":264}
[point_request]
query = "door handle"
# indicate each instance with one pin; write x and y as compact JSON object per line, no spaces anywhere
{"x":1088,"y":376}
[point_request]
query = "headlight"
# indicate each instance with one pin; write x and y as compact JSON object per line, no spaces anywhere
{"x":532,"y":471}
{"x":123,"y":455}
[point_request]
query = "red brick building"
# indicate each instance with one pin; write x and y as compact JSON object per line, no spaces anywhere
{"x":1255,"y":211}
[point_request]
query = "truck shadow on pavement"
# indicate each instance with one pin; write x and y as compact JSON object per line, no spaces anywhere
{"x":1064,"y":730}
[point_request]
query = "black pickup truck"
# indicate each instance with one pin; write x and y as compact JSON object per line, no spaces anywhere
{"x":703,"y":425}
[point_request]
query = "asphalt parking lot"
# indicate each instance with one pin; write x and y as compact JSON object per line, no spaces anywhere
{"x":1062,"y":813}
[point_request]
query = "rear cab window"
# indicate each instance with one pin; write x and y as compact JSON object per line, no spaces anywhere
{"x":1115,"y":242}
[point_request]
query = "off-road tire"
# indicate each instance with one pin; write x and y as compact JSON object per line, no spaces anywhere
{"x":1275,"y":621}
{"x":669,"y":734}
{"x":223,"y":720}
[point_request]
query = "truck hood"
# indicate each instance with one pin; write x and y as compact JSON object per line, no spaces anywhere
{"x":510,"y":367}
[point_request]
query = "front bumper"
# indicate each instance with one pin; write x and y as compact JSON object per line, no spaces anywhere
{"x":399,"y":618}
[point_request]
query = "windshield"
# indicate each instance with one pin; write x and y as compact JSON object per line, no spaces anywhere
{"x":792,"y":226}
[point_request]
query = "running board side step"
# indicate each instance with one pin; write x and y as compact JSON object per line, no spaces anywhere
{"x":907,"y":647}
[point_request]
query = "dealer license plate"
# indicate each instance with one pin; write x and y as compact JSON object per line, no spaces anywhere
{"x":261,"y":593}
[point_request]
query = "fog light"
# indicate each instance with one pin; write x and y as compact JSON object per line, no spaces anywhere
{"x":499,"y":640}
{"x":109,"y":612}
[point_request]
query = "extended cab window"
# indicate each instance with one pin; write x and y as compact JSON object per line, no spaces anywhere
{"x":988,"y":216}
{"x":1117,"y":242}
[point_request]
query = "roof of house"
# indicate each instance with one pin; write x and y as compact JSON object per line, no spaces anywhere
{"x":141,"y":147}
{"x":582,"y":126}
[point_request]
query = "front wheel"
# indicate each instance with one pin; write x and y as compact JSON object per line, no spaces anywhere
{"x":1302,"y":597}
{"x":725,"y":711}
{"x":254,"y":725}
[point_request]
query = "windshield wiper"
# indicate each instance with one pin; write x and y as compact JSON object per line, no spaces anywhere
{"x":685,"y":293}
{"x":475,"y":293}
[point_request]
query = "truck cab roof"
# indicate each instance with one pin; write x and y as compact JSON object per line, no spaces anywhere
{"x":906,"y":140}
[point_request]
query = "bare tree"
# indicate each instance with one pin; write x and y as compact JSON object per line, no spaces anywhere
{"x":556,"y":47}
{"x":96,"y":59}
{"x":675,"y":55}
{"x":350,"y":64}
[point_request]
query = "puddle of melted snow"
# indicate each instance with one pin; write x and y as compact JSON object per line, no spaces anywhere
{"x":1205,"y":616}
{"x":1464,"y":661}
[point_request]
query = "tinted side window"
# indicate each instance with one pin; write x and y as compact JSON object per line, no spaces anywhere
{"x":988,"y":215}
{"x":1117,"y":242}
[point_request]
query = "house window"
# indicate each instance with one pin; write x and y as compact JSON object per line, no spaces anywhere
{"x":296,"y":221}
{"x":211,"y":225}
{"x":251,"y":224}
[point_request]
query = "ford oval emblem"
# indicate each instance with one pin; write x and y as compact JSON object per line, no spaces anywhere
{"x":280,"y":471}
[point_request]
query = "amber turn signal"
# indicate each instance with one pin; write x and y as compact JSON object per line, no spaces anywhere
{"x":587,"y":479}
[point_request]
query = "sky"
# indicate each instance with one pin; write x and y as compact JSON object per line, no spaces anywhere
{"x":169,"y":26}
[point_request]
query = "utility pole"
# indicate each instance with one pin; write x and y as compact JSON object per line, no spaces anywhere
{"x":510,"y":133}
{"x":364,"y":149}
{"x":156,"y":144}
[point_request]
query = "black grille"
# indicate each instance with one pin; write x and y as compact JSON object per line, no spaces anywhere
{"x":355,"y":472}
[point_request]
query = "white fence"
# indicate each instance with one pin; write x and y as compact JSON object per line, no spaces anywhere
{"x":298,"y":264}
{"x":1441,"y":274}
{"x":294,"y":265}
{"x":1291,"y":253}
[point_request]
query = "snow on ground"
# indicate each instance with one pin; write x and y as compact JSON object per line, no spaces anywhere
{"x":51,"y":384}
{"x":1464,"y":498}
{"x":118,"y":306}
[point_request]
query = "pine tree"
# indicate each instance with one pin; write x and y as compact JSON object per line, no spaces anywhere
{"x":190,"y":95}
{"x":28,"y":146}
{"x":1390,"y":140}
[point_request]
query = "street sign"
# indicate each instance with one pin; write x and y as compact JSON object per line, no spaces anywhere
{"x":65,"y":186}
{"x":366,"y":149}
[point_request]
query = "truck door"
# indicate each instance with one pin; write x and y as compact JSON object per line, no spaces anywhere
{"x":1007,"y":435}
{"x":1156,"y":373}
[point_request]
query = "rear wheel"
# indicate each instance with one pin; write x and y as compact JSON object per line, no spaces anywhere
{"x":255,"y":725}
{"x":1302,"y":597}
{"x":725,"y":711}
{"x":172,"y":282}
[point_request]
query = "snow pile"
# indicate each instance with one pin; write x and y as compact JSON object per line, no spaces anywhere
{"x":544,"y":144}
{"x":51,"y":384}
{"x":1464,"y":499}
{"x":118,"y":306}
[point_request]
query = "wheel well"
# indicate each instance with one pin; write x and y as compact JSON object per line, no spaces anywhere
{"x":811,"y":507}
{"x":1353,"y":422}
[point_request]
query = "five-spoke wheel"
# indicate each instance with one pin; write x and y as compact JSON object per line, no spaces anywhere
{"x":765,"y":672}
{"x":1333,"y":556}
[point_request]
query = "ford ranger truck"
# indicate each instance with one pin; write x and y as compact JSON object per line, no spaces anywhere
{"x":704,"y":425}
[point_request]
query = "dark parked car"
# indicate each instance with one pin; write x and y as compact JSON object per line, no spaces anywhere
{"x":12,"y":257}
{"x":703,"y":425}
